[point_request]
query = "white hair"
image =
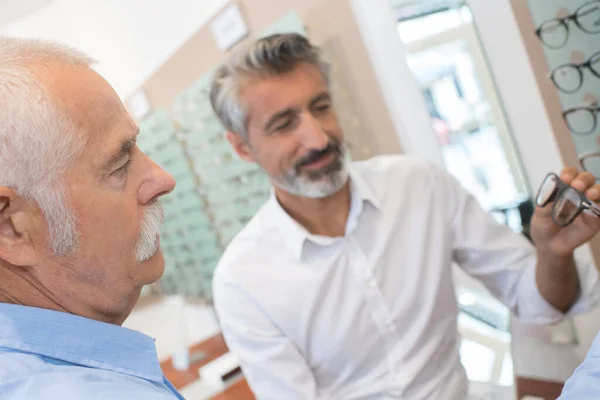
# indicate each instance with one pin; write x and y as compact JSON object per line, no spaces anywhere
{"x":38,"y":140}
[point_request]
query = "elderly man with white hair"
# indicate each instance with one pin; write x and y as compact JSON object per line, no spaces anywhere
{"x":79,"y":222}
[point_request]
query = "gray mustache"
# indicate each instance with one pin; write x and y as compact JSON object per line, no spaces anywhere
{"x":316,"y":155}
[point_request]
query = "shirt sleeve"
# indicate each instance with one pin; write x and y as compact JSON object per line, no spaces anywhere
{"x":585,"y":382}
{"x":505,"y":262}
{"x":272,"y":365}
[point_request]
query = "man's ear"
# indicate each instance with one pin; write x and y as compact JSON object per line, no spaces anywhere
{"x":241,"y":146}
{"x":17,"y":220}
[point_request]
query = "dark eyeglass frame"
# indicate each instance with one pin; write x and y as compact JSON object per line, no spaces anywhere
{"x":594,"y":110}
{"x":560,"y":190}
{"x":564,"y":22}
{"x":595,"y":58}
{"x":586,"y":156}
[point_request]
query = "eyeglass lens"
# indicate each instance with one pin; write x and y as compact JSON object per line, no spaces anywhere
{"x":591,"y":164}
{"x":569,"y":77}
{"x":567,"y":206}
{"x":588,"y":17}
{"x":582,"y":120}
{"x":546,"y":191}
{"x":554,"y":33}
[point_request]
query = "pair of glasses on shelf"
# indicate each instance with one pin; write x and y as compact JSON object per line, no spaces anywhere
{"x":590,"y":162}
{"x":568,"y":202}
{"x":554,"y":33}
{"x":568,"y":78}
{"x":582,"y":120}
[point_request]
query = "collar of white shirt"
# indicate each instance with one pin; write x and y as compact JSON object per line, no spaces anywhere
{"x":295,"y":235}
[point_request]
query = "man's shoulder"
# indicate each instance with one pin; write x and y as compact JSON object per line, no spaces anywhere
{"x":396,"y":175}
{"x":383,"y":163}
{"x":253,"y":243}
{"x":393,"y":165}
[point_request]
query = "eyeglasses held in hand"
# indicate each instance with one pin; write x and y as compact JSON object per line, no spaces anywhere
{"x":582,"y":120}
{"x":569,"y":77}
{"x":554,"y":33}
{"x":568,"y":201}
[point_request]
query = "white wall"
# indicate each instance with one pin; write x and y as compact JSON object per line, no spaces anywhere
{"x":10,"y":10}
{"x":130,"y":39}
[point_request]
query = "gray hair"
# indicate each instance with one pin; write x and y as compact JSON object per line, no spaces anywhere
{"x":38,"y":140}
{"x":266,"y":57}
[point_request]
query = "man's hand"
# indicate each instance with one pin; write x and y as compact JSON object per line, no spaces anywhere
{"x":556,"y":275}
{"x":554,"y":241}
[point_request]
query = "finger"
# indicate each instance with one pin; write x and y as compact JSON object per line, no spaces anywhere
{"x":593,"y":193}
{"x":545,"y":211}
{"x":589,"y":219}
{"x":583,"y":181}
{"x":568,"y":174}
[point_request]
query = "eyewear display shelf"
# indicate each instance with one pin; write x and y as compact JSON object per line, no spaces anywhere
{"x":215,"y":196}
{"x":569,"y":32}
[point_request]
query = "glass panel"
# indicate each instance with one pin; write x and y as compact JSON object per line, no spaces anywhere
{"x":465,"y":111}
{"x":445,"y":56}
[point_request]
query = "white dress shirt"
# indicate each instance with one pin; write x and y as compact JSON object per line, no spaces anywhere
{"x":372,"y":314}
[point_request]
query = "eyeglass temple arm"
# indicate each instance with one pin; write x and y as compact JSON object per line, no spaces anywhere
{"x":593,"y":208}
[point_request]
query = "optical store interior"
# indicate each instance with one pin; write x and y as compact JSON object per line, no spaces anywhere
{"x":493,"y":95}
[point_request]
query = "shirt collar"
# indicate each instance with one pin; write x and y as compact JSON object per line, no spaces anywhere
{"x":295,"y":235}
{"x":79,"y":340}
{"x":363,"y":189}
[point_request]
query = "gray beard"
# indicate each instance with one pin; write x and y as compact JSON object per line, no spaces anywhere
{"x":315,"y":184}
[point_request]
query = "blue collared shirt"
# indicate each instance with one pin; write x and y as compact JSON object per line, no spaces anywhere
{"x":50,"y":355}
{"x":585,"y":382}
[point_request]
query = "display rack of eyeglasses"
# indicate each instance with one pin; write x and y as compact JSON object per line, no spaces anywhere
{"x":570,"y":34}
{"x":234,"y":190}
{"x":189,"y":242}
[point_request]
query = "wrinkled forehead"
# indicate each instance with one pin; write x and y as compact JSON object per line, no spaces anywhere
{"x":84,"y":95}
{"x":263,"y":96}
{"x":93,"y":107}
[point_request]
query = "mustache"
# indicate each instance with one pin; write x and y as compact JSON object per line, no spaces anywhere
{"x":316,"y":155}
{"x":152,"y":222}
